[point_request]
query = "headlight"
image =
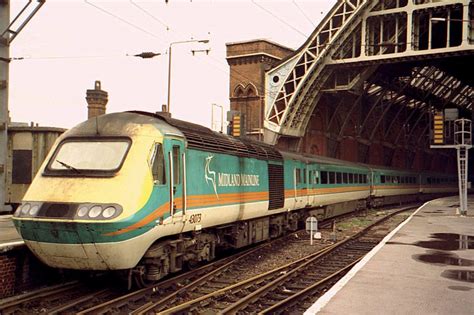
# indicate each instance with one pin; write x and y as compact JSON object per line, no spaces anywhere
{"x":25,"y":208}
{"x":95,"y":211}
{"x":82,"y":211}
{"x":108,"y":212}
{"x":34,"y":210}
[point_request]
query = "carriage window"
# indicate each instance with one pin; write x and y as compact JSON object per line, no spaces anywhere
{"x":316,"y":177}
{"x":176,"y":165}
{"x":324,"y":177}
{"x":382,"y":179}
{"x":351,"y":178}
{"x":158,"y":167}
{"x":364,"y":178}
{"x":338,"y":178}
{"x":304,"y":176}
{"x":298,"y":175}
{"x":332,"y":178}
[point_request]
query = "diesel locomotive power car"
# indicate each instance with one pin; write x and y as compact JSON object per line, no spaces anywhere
{"x":148,"y":195}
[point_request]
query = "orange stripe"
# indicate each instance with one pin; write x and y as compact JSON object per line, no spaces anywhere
{"x":228,"y":198}
{"x":149,"y":218}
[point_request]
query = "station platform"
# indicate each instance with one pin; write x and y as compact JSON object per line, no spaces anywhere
{"x":425,"y":266}
{"x":9,"y":237}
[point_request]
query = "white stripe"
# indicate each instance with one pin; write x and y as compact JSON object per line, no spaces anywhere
{"x":12,"y":244}
{"x":322,"y":301}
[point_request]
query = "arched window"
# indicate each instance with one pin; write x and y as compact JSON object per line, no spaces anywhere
{"x":250,"y":91}
{"x":239,"y":91}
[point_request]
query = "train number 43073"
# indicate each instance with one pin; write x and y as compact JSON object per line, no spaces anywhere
{"x":195,"y":218}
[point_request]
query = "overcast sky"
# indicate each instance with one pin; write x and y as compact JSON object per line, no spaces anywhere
{"x":70,"y":44}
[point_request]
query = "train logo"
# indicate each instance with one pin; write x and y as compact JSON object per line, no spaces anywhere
{"x":209,"y":175}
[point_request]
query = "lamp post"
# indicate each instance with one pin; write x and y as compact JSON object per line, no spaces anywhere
{"x":205,"y":41}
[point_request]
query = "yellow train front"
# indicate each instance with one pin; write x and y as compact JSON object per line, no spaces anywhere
{"x":95,"y":194}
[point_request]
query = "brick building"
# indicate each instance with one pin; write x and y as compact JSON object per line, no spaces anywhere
{"x":248,"y":62}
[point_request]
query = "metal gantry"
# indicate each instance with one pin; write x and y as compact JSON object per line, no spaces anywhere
{"x":8,"y":32}
{"x":4,"y":60}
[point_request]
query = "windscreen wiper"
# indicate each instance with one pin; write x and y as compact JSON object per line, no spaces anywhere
{"x":69,"y":167}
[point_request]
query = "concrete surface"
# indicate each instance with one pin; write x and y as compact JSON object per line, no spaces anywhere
{"x":9,"y":238}
{"x":426,"y":267}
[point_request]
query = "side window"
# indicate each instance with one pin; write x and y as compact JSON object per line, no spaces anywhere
{"x":298,"y":175}
{"x":158,"y":167}
{"x":176,"y":165}
{"x":304,"y":176}
{"x":332,"y":178}
{"x":324,"y":177}
{"x":338,"y":178}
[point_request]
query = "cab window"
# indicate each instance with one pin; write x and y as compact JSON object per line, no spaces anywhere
{"x":158,"y":167}
{"x":176,"y":165}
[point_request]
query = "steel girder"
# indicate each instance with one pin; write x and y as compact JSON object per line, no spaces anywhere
{"x":370,"y":33}
{"x":294,"y":85}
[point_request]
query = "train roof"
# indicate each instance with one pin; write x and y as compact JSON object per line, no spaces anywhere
{"x":321,"y":159}
{"x":202,"y":138}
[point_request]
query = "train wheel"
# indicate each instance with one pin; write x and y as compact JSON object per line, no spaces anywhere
{"x":139,"y":277}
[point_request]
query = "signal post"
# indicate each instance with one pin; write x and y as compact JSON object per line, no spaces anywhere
{"x":457,"y":135}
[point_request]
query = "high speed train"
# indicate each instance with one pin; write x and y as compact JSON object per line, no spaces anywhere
{"x":149,"y":195}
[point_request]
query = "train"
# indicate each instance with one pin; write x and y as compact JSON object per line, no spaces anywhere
{"x":148,"y":195}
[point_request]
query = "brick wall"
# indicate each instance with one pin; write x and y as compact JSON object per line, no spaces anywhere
{"x":20,"y":271}
{"x":8,"y":263}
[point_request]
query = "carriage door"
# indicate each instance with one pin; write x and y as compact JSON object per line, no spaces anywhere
{"x":177,"y":171}
{"x":301,"y":185}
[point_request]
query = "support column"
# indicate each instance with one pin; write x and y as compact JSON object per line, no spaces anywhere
{"x":4,"y":60}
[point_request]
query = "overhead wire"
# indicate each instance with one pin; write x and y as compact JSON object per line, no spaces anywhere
{"x":279,"y":19}
{"x":122,"y":19}
{"x":150,"y":14}
{"x":72,"y":57}
{"x":304,"y":13}
{"x":218,"y":61}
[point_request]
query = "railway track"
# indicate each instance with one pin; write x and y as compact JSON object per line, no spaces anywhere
{"x":198,"y":289}
{"x":290,"y":287}
{"x":206,"y":279}
{"x":49,"y":298}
